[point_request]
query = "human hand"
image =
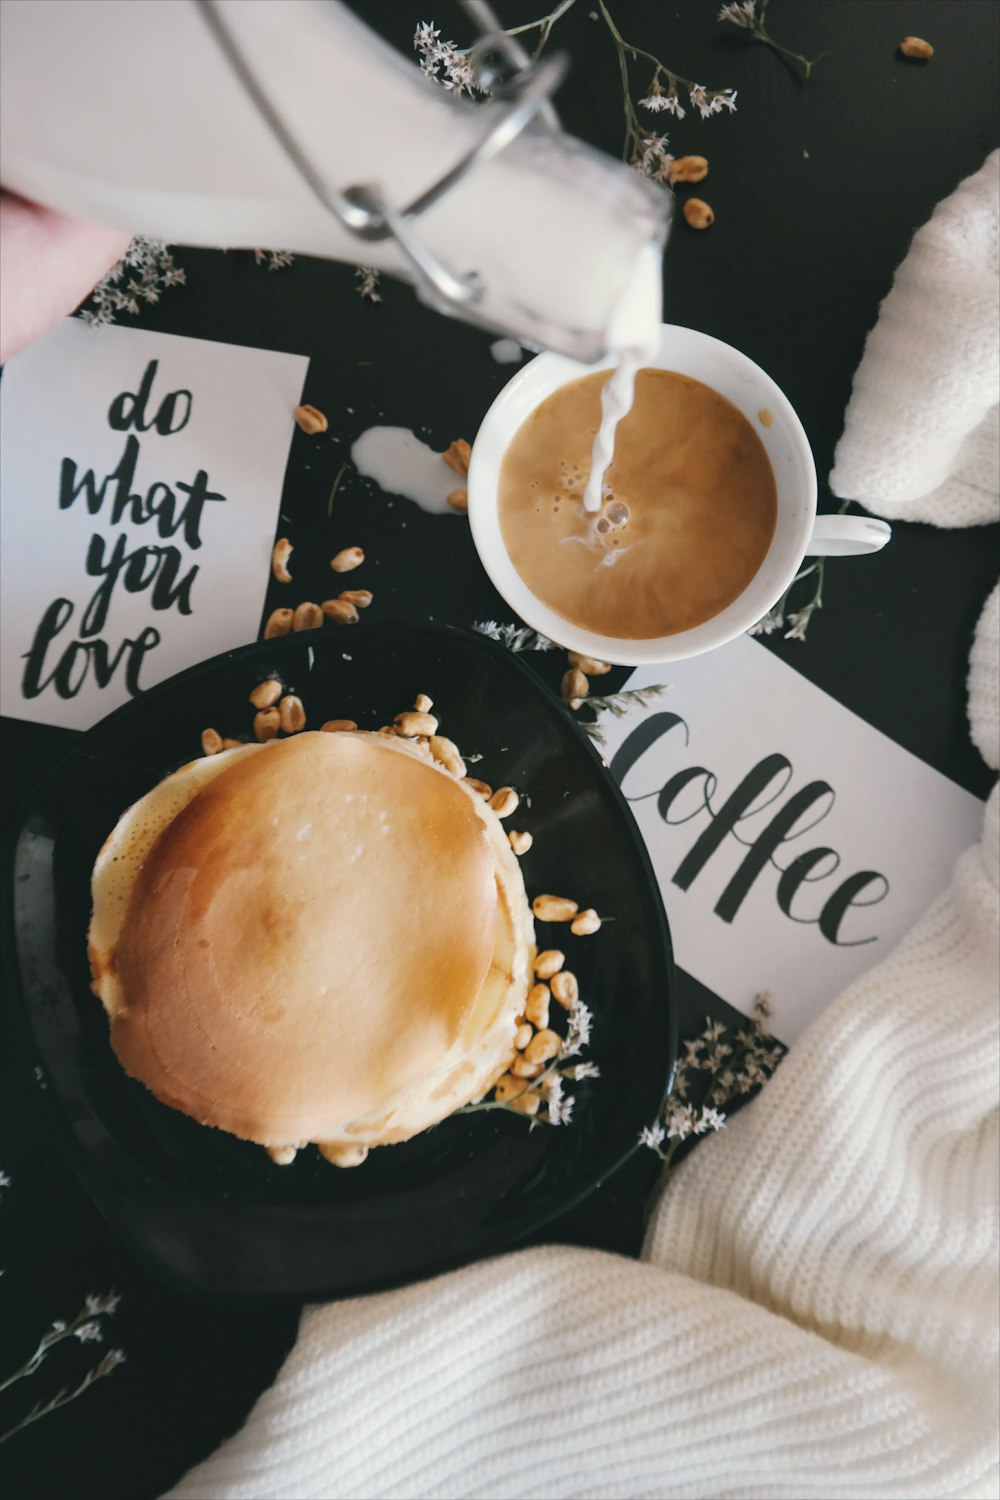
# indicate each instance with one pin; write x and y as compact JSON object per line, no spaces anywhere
{"x":49,"y":262}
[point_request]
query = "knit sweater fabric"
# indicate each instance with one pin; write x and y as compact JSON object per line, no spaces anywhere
{"x":816,"y":1309}
{"x":921,"y":439}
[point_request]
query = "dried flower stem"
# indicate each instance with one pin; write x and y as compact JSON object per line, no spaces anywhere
{"x":636,"y":148}
{"x":275,"y":260}
{"x":544,"y":25}
{"x":594,"y":731}
{"x":65,"y":1395}
{"x":368,"y":279}
{"x":336,"y":486}
{"x":734,"y":1070}
{"x":87,"y":1330}
{"x":144,"y":272}
{"x":616,"y":704}
{"x":83,"y":1327}
{"x":775,"y":618}
{"x":620,"y":704}
{"x":514,"y":637}
{"x":548,"y":1084}
{"x":798,"y":620}
{"x":533,"y":1085}
{"x":454,"y":70}
{"x":749,"y":16}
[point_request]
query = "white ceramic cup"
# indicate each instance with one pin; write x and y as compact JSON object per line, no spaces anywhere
{"x":798,"y":531}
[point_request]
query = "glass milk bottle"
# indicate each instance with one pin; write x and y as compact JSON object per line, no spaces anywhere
{"x":288,"y":124}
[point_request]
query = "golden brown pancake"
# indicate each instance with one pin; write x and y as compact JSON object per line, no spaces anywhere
{"x":310,"y":940}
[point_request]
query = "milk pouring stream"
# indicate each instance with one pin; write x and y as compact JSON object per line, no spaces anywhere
{"x":633,"y":336}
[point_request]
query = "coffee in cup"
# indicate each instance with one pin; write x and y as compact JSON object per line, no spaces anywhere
{"x":796,"y":530}
{"x":688,"y":509}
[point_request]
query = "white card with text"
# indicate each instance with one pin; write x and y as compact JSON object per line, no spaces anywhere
{"x":794,"y":844}
{"x":140,"y":486}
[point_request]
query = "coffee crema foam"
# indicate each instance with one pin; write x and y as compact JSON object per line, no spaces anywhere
{"x":688,"y":509}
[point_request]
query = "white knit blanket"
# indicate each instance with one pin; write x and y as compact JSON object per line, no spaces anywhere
{"x":920,"y":435}
{"x":815,"y":1313}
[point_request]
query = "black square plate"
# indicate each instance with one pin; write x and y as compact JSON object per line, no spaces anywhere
{"x":211,"y":1213}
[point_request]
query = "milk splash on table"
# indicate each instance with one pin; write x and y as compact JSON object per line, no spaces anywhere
{"x":633,"y":335}
{"x":400,"y":464}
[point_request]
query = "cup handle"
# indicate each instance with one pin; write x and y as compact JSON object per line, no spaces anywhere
{"x":847,"y":536}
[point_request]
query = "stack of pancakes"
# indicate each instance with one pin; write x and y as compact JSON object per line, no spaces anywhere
{"x":321,"y":939}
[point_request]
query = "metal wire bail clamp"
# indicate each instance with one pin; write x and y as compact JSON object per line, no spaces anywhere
{"x":362,"y":208}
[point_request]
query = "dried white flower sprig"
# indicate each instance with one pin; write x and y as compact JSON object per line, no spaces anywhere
{"x":662,"y":93}
{"x":514,"y":637}
{"x":145,"y":271}
{"x":618,"y":705}
{"x":444,"y":62}
{"x":734,"y":1068}
{"x":87,"y":1329}
{"x":749,"y":16}
{"x":368,"y":281}
{"x":798,"y":620}
{"x":453,"y":68}
{"x":556,"y":1107}
{"x":275,"y":260}
{"x":646,"y":152}
{"x":83,"y":1327}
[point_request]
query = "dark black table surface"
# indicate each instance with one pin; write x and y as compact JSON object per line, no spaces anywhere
{"x":817,"y":187}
